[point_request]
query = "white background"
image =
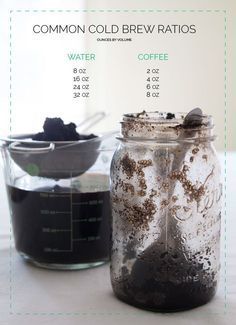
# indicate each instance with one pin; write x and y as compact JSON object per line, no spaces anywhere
{"x":213,"y":315}
{"x":194,"y":75}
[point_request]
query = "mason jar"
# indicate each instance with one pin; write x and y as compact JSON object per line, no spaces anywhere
{"x":166,"y":209}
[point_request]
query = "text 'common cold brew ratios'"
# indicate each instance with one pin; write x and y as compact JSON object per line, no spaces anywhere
{"x":81,"y":88}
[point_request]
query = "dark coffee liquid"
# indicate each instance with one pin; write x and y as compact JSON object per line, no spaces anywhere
{"x":56,"y":226}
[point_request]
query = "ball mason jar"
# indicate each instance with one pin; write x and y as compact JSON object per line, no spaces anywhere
{"x":166,"y":209}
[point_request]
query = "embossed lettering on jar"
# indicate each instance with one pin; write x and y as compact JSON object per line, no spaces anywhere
{"x":166,"y":203}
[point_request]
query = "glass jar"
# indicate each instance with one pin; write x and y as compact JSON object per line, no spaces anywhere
{"x":166,"y":208}
{"x":59,"y":201}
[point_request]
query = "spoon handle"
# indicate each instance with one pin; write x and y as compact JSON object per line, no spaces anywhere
{"x":90,"y":121}
{"x":83,"y":143}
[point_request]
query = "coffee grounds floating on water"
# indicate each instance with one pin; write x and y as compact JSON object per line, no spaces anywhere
{"x":170,"y":116}
{"x":167,"y":116}
{"x":56,"y":130}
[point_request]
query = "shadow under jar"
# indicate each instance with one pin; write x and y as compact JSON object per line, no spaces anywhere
{"x":166,"y":203}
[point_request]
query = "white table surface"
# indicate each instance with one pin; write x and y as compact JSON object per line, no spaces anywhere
{"x":29,"y":295}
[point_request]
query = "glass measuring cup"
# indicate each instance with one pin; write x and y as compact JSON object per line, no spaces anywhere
{"x":60,"y":223}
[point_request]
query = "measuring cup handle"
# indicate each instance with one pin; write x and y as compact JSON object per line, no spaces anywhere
{"x":17,"y":147}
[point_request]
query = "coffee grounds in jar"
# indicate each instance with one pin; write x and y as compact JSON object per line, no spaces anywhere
{"x":165,"y":280}
{"x":139,"y":215}
{"x":190,"y":189}
{"x":128,"y":166}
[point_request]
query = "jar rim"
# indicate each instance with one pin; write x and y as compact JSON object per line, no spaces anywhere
{"x":161,"y":117}
{"x":165,"y":126}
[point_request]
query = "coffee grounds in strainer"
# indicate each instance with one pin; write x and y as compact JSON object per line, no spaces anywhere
{"x":56,"y":130}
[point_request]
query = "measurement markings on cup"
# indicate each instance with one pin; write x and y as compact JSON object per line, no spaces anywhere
{"x":55,"y":233}
{"x":89,"y":219}
{"x":64,"y":226}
